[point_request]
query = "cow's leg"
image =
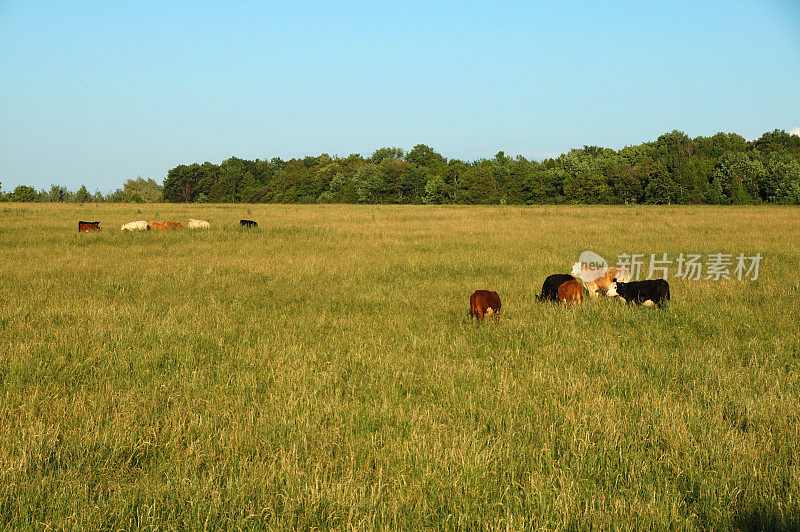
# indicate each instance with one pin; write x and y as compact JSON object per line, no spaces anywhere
{"x":593,"y":289}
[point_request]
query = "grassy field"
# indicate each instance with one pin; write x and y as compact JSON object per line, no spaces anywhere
{"x":321,"y":371}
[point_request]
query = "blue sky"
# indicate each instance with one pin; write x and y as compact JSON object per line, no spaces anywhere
{"x":98,"y":92}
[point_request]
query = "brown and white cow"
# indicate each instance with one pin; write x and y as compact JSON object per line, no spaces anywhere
{"x":173,"y":225}
{"x":599,"y":279}
{"x":484,"y":303}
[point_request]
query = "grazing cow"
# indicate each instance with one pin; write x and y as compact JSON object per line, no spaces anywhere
{"x":88,"y":226}
{"x":484,"y":303}
{"x":141,"y":225}
{"x":647,"y":293}
{"x":248,"y":223}
{"x":198,"y":224}
{"x":570,"y":292}
{"x":598,"y":280}
{"x":173,"y":225}
{"x":551,"y":284}
{"x":156,"y":225}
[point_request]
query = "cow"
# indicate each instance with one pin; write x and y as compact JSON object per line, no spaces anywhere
{"x":173,"y":225}
{"x":597,"y":280}
{"x":647,"y":293}
{"x":248,"y":223}
{"x":484,"y":303}
{"x":198,"y":224}
{"x":88,"y":226}
{"x":140,"y":225}
{"x":156,"y":225}
{"x":551,"y":284}
{"x":570,"y":292}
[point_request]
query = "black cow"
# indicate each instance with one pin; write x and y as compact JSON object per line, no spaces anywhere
{"x":551,"y":284}
{"x":655,"y":291}
{"x":248,"y":223}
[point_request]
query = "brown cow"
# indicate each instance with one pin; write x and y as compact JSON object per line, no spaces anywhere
{"x":88,"y":226}
{"x":173,"y":225}
{"x":156,"y":225}
{"x":484,"y":303}
{"x":570,"y":292}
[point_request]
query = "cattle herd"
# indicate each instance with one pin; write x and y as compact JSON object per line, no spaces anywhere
{"x":559,"y":287}
{"x":566,"y":288}
{"x":141,"y":225}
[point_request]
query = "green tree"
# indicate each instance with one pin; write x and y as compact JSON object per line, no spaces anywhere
{"x":400,"y":185}
{"x":783,"y":183}
{"x":425,"y":156}
{"x":144,"y":190}
{"x":382,"y":154}
{"x":340,"y":190}
{"x":661,"y":188}
{"x":587,"y":188}
{"x":24,"y":193}
{"x":436,"y":192}
{"x":83,"y":195}
{"x":369,"y":184}
{"x":182,"y":184}
{"x":58,"y":194}
{"x":780,"y":141}
{"x":740,"y":176}
{"x":715,"y":195}
{"x":118,"y":196}
{"x":627,"y":182}
{"x":252,"y":192}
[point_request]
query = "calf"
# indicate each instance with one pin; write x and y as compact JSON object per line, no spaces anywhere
{"x":551,"y":284}
{"x":173,"y":225}
{"x":648,"y":293}
{"x":570,"y":292}
{"x":248,"y":223}
{"x":88,"y":226}
{"x":484,"y":303}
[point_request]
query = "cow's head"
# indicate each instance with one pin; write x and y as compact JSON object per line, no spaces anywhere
{"x":612,"y":290}
{"x":576,"y":269}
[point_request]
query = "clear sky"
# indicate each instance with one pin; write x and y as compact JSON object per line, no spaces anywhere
{"x":98,"y":92}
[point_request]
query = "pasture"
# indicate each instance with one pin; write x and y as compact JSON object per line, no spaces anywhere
{"x":321,"y":371}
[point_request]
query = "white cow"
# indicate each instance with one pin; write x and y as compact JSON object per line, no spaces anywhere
{"x":141,"y":225}
{"x":198,"y":224}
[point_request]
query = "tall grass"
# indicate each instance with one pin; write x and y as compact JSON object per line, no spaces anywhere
{"x":321,"y":371}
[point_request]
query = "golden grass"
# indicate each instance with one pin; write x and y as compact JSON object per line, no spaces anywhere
{"x":321,"y":371}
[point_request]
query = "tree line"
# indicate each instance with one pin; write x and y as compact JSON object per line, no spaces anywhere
{"x":139,"y":190}
{"x":674,"y":169}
